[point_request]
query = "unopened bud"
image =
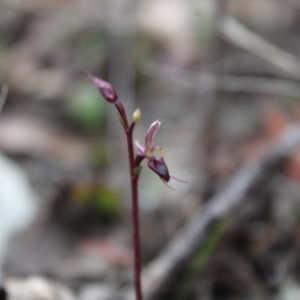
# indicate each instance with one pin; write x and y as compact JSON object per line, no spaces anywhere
{"x":136,"y":115}
{"x":104,"y":87}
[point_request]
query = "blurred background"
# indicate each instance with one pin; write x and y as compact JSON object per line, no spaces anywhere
{"x":225,"y":77}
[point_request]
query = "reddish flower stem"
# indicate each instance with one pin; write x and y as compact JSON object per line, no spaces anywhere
{"x":109,"y":94}
{"x":135,"y":213}
{"x":134,"y":177}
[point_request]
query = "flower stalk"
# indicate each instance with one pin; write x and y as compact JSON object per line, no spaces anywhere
{"x":135,"y":215}
{"x":156,"y":164}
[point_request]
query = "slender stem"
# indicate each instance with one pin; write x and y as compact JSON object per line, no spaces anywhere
{"x":135,"y":215}
{"x":110,"y":95}
{"x":134,"y":196}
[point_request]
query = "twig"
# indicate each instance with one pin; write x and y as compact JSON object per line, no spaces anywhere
{"x":240,"y":36}
{"x":158,"y":275}
{"x":227,"y":83}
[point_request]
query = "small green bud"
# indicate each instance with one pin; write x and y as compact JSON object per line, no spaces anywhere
{"x":136,"y":115}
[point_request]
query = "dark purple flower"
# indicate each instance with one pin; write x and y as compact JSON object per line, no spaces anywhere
{"x":156,"y":164}
{"x":104,"y":87}
{"x":159,"y":166}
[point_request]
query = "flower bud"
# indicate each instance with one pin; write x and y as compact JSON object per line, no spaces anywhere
{"x":136,"y":115}
{"x":105,"y":88}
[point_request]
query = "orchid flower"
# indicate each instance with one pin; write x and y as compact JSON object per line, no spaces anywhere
{"x":156,"y":164}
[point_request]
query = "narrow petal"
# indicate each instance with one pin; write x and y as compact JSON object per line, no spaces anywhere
{"x":140,"y":149}
{"x":165,"y":183}
{"x":151,"y":133}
